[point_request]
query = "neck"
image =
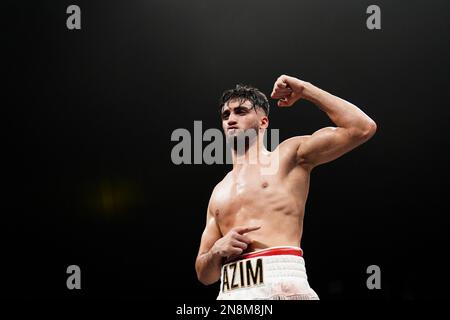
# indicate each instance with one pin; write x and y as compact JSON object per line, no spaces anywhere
{"x":250,"y":155}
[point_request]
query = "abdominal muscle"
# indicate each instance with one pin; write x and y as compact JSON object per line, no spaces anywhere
{"x":277,"y":229}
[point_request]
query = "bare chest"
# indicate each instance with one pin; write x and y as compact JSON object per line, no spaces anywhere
{"x":243,"y":194}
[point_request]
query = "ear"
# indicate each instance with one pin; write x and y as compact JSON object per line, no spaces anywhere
{"x":264,"y":122}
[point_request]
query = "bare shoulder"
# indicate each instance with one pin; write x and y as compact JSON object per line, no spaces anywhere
{"x":293,"y":142}
{"x":290,"y":146}
{"x":289,"y":150}
{"x":219,"y":187}
{"x":222,"y":182}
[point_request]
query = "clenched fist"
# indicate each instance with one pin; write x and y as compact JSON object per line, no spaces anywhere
{"x":287,"y":90}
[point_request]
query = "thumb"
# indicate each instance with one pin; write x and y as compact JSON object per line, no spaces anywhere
{"x":285,"y":102}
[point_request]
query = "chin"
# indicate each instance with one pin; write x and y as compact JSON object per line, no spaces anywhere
{"x":233,"y":133}
{"x":230,"y":137}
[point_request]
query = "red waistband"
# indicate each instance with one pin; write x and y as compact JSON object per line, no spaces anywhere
{"x":278,"y":251}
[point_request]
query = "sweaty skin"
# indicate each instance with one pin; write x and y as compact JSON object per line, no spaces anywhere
{"x":249,"y":209}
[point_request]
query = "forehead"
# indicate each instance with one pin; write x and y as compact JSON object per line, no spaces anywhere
{"x":234,"y":103}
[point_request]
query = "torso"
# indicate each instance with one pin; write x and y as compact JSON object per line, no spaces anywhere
{"x":276,"y":202}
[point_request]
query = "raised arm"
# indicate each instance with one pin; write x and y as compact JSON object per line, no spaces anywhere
{"x":353,"y":126}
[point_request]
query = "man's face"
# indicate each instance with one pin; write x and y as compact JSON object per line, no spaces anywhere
{"x":239,"y":116}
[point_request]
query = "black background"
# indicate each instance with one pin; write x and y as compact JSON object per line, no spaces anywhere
{"x":88,"y":116}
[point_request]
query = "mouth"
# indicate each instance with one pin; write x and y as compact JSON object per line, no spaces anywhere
{"x":230,"y":128}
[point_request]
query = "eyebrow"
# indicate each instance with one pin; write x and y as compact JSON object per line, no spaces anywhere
{"x":239,"y":106}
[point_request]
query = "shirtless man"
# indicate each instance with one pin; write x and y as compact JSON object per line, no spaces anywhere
{"x":254,"y":221}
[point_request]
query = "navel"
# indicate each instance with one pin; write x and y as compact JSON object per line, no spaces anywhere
{"x":265,"y":184}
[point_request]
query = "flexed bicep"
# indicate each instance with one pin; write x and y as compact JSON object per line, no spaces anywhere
{"x":328,"y":144}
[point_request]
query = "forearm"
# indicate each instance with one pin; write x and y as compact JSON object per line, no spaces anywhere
{"x":343,"y":113}
{"x":208,"y":267}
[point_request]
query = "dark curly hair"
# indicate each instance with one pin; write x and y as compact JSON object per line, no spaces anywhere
{"x":246,"y":92}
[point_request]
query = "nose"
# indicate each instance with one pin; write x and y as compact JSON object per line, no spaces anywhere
{"x":231,"y":120}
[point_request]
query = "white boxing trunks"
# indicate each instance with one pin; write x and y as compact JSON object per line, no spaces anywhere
{"x":276,"y":273}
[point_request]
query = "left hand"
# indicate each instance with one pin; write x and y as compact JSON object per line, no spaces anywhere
{"x":287,"y":90}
